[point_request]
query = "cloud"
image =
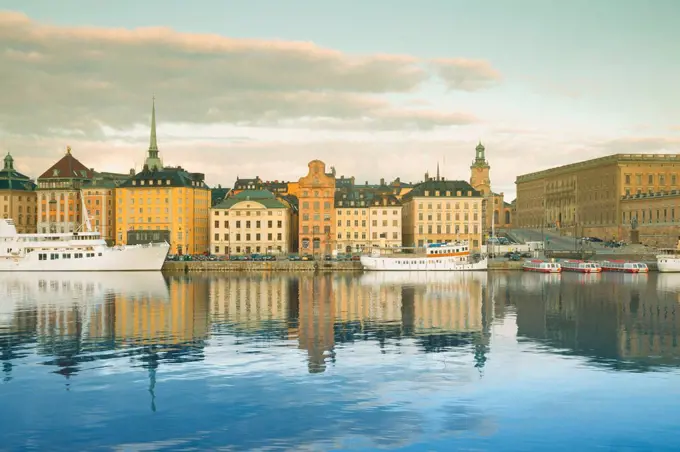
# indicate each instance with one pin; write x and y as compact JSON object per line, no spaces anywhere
{"x":465,"y":74}
{"x":74,"y":80}
{"x":642,"y":144}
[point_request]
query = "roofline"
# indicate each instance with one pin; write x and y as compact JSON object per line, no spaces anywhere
{"x":609,"y":159}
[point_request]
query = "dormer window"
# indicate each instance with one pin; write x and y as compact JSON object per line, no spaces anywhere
{"x":134,"y":182}
{"x":141,"y":182}
{"x":448,"y":193}
{"x":427,"y":193}
{"x":469,"y":193}
{"x":55,"y":172}
{"x":167,"y":182}
{"x":151,"y":182}
{"x":436,"y":193}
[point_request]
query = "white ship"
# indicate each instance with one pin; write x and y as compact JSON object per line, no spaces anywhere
{"x":668,"y":259}
{"x":74,"y":251}
{"x":438,"y":257}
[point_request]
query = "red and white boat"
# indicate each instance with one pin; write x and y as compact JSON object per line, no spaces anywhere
{"x":541,"y":266}
{"x":624,"y":266}
{"x":580,"y":266}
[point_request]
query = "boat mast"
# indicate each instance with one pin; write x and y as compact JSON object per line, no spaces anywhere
{"x":86,"y":217}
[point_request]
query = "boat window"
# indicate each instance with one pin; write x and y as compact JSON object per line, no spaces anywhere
{"x":54,"y":257}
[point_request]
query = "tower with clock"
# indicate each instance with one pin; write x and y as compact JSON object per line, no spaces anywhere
{"x":479,"y":171}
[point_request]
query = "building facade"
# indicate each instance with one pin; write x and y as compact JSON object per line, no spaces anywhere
{"x":163,"y":204}
{"x":59,"y":195}
{"x":316,"y":196}
{"x":585,"y":198}
{"x":252,"y":221}
{"x":656,"y":217}
{"x":18,"y":197}
{"x":366,"y":219}
{"x":437,"y":211}
{"x":497,"y":212}
{"x":100,"y":202}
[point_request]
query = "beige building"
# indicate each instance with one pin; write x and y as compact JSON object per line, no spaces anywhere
{"x":439,"y":211}
{"x":59,"y":195}
{"x":316,"y":196}
{"x":18,"y":197}
{"x":657,"y":217}
{"x":586,"y":198}
{"x":366,"y":219}
{"x":252,"y":221}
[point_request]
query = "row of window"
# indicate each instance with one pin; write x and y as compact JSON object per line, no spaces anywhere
{"x":661,"y":178}
{"x":246,"y":249}
{"x":316,"y":217}
{"x":258,"y":237}
{"x":57,"y":256}
{"x":316,"y":205}
{"x":248,"y":224}
{"x":430,"y":217}
{"x":247,"y":213}
{"x":374,"y":235}
{"x":422,"y":243}
{"x":448,"y":205}
{"x":446,"y":229}
{"x":363,"y":212}
{"x":647,"y":216}
{"x":374,"y":223}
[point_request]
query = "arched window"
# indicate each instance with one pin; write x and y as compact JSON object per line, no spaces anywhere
{"x":507,"y":217}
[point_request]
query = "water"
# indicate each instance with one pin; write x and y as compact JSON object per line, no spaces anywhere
{"x":504,"y":361}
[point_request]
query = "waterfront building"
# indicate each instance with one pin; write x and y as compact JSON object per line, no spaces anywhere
{"x":59,"y":195}
{"x":496,"y":211}
{"x":252,"y":221}
{"x":163,"y":203}
{"x":656,"y":217}
{"x":586,"y":198}
{"x":18,"y":197}
{"x":99,"y":195}
{"x":366,"y":219}
{"x":316,"y":196}
{"x":437,"y":211}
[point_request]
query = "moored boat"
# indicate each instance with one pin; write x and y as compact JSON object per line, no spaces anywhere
{"x":73,"y":251}
{"x":668,"y":259}
{"x":624,"y":266}
{"x":541,"y":266}
{"x":454,"y":256}
{"x":580,"y":266}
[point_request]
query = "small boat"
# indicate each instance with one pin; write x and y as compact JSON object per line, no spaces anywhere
{"x":541,"y":266}
{"x":624,"y":266}
{"x":580,"y":266}
{"x":668,"y":260}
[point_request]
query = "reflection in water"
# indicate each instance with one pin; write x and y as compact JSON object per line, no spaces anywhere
{"x":390,"y":359}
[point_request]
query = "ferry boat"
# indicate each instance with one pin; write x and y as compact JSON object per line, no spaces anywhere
{"x":580,"y":266}
{"x":541,"y":266}
{"x":73,"y":251}
{"x":668,"y":259}
{"x":624,"y":266}
{"x":453,"y":256}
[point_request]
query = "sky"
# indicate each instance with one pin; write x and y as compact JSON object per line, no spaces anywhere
{"x":375,"y":89}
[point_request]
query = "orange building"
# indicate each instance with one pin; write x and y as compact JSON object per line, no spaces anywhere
{"x":316,"y":195}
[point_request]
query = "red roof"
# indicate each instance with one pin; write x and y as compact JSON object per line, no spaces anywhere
{"x":68,"y":167}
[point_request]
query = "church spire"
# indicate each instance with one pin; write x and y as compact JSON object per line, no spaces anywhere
{"x":153,"y":161}
{"x":153,"y":144}
{"x":9,"y":162}
{"x":438,"y":178}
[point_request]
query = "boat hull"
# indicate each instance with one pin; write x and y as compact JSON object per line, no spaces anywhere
{"x":126,"y":258}
{"x":542,"y":270}
{"x":667,"y":264}
{"x":623,"y":270}
{"x":371,"y":263}
{"x":581,"y":270}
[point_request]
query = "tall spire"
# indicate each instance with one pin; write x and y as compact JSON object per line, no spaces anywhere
{"x":153,"y":144}
{"x":438,"y":171}
{"x":9,"y":162}
{"x":153,"y":162}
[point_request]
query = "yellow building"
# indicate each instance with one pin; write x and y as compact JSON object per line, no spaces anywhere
{"x":366,"y":219}
{"x":437,"y":211}
{"x":656,"y":217}
{"x":18,"y":198}
{"x":99,"y":196}
{"x":163,"y":204}
{"x":497,"y":212}
{"x":252,"y":221}
{"x":586,"y":198}
{"x":316,"y":195}
{"x":59,"y":196}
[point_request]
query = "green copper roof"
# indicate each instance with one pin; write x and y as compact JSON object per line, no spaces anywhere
{"x":11,"y":179}
{"x":177,"y":177}
{"x":264,"y":197}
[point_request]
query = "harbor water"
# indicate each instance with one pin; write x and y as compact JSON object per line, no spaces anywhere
{"x":499,"y":361}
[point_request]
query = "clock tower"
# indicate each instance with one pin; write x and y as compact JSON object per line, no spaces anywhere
{"x":479,"y":171}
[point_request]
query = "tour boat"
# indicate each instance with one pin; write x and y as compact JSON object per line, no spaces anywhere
{"x":438,"y":257}
{"x":624,"y":266}
{"x":541,"y":266}
{"x":668,"y":261}
{"x":580,"y":266}
{"x":73,"y":251}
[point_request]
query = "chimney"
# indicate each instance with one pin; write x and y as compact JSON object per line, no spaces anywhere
{"x":132,"y":171}
{"x":382,"y":181}
{"x":367,"y":183}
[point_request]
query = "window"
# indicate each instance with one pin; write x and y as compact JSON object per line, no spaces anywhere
{"x":650,"y":179}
